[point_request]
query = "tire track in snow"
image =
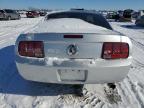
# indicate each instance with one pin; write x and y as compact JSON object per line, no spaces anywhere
{"x":2,"y":33}
{"x":3,"y":41}
{"x":35,"y":102}
{"x":137,"y":43}
{"x":91,"y":99}
{"x":11,"y":105}
{"x":139,"y":98}
{"x":131,"y":94}
{"x":22,"y":28}
{"x":138,"y":63}
{"x":123,"y":93}
{"x":86,"y":101}
{"x":17,"y":31}
{"x":141,"y":86}
{"x":16,"y":34}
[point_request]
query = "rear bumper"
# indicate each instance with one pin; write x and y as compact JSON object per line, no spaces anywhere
{"x":102,"y":71}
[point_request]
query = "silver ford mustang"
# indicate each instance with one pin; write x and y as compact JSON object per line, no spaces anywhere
{"x":73,"y":47}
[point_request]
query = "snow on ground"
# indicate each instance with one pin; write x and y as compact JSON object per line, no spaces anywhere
{"x":9,"y":30}
{"x":15,"y":92}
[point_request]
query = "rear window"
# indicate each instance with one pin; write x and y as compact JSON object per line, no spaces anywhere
{"x":1,"y":11}
{"x":92,"y":18}
{"x":10,"y":11}
{"x":32,"y":12}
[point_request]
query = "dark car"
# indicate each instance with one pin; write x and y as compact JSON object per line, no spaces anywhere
{"x":42,"y":13}
{"x":111,"y":15}
{"x":127,"y":15}
{"x":135,"y":15}
{"x":32,"y":14}
{"x":8,"y":14}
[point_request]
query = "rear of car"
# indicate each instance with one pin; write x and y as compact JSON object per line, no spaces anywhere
{"x":80,"y":48}
{"x":11,"y":14}
{"x":32,"y":14}
{"x":2,"y":14}
{"x":22,"y":14}
{"x":42,"y":13}
{"x":127,"y":16}
{"x":111,"y":15}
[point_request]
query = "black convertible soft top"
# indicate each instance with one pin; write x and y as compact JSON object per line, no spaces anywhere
{"x":88,"y":16}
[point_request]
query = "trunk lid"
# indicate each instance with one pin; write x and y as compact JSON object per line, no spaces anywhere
{"x":89,"y":46}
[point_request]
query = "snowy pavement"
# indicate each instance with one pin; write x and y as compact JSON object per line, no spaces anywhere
{"x":9,"y":30}
{"x":15,"y":92}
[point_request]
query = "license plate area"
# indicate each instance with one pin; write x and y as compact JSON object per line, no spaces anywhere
{"x":72,"y":75}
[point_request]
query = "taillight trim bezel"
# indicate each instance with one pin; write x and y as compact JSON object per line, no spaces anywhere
{"x":42,"y":50}
{"x":102,"y":54}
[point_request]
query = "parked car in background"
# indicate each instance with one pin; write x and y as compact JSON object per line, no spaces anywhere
{"x":8,"y":14}
{"x":22,"y":13}
{"x":32,"y":14}
{"x":111,"y":15}
{"x":141,"y":12}
{"x":135,"y":15}
{"x":42,"y":13}
{"x":127,"y":16}
{"x":120,"y":12}
{"x":140,"y":21}
{"x":73,"y":47}
{"x":2,"y":14}
{"x":104,"y":13}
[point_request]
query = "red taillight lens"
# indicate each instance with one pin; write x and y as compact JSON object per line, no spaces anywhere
{"x":31,"y":49}
{"x":115,"y":50}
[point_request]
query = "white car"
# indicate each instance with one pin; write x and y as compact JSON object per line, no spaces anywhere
{"x":73,"y":47}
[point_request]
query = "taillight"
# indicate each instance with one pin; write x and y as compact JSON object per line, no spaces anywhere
{"x":31,"y":49}
{"x":115,"y":50}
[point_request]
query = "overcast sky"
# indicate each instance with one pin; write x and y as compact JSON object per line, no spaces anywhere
{"x":67,"y":4}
